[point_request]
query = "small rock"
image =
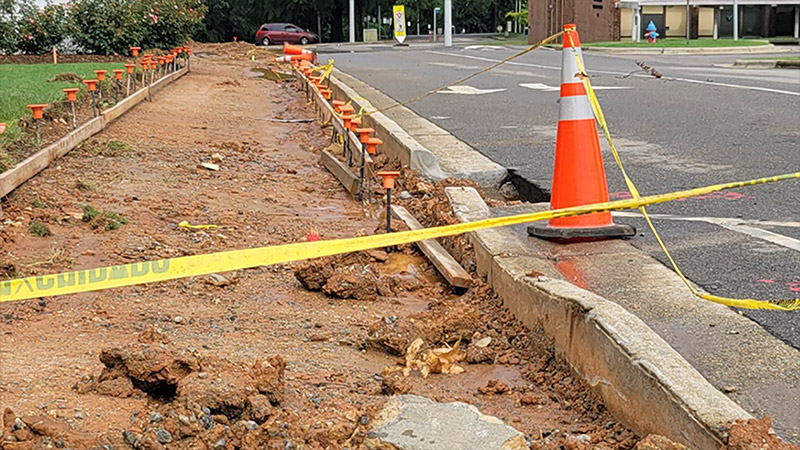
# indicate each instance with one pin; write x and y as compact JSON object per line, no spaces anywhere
{"x":208,"y":166}
{"x":729,"y":389}
{"x":250,"y":425}
{"x":130,"y":438}
{"x":184,"y":420}
{"x":220,"y":443}
{"x":202,"y":375}
{"x":483,"y":343}
{"x":178,"y":319}
{"x":18,"y":424}
{"x":405,"y":195}
{"x":216,"y":158}
{"x":163,"y":436}
{"x":509,"y":191}
{"x":218,"y":280}
{"x":156,"y":417}
{"x":582,"y":438}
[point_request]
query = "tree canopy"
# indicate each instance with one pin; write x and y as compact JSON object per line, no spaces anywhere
{"x":241,"y":18}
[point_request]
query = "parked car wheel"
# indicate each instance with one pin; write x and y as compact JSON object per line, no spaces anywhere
{"x":265,"y":41}
{"x":303,"y":40}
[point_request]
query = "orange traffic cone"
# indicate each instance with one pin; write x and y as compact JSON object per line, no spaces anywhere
{"x":579,"y":177}
{"x":289,"y":58}
{"x":289,"y":49}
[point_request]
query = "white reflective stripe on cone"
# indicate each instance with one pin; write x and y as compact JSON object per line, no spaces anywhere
{"x":569,"y":67}
{"x":575,"y":107}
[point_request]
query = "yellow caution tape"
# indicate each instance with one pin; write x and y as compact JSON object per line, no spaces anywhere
{"x":185,"y":224}
{"x":188,"y":266}
{"x":783,"y":305}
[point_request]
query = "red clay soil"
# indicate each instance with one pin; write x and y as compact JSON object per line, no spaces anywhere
{"x":298,"y":355}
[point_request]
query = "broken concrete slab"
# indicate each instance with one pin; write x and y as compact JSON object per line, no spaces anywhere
{"x":411,"y":422}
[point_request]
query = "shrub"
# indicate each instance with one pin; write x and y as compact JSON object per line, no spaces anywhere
{"x":9,"y":38}
{"x":113,"y":26}
{"x":105,"y":26}
{"x":40,"y":30}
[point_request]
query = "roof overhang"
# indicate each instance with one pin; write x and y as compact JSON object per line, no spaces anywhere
{"x":639,"y":3}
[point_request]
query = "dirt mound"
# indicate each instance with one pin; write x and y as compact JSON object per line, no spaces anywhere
{"x":68,"y":77}
{"x":170,"y":374}
{"x":29,"y":432}
{"x":444,"y":323}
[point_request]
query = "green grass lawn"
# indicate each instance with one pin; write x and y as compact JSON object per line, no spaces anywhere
{"x":25,"y":84}
{"x":679,"y":42}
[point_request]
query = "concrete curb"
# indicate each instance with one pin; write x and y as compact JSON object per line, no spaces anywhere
{"x":25,"y":170}
{"x":642,"y":380}
{"x":755,"y":49}
{"x":767,"y":64}
{"x":419,"y":143}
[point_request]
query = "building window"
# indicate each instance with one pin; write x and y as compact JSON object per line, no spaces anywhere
{"x":597,"y":4}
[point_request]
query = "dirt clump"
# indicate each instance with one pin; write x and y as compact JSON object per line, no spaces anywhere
{"x":755,"y":434}
{"x":354,"y":275}
{"x":40,"y":431}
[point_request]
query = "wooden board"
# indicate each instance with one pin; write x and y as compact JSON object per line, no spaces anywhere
{"x":444,"y":262}
{"x":340,"y":171}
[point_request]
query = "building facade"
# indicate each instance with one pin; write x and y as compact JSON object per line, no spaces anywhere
{"x":612,"y":20}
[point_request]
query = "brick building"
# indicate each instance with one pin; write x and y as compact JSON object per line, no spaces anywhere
{"x":612,"y":20}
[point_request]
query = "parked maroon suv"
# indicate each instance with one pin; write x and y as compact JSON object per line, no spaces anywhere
{"x":278,"y":33}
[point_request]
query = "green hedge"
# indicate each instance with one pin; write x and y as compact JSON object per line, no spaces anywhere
{"x":97,"y":26}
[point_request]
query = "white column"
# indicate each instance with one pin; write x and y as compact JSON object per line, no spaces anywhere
{"x":637,"y":20}
{"x":716,"y":22}
{"x":735,"y":20}
{"x":448,"y":23}
{"x":352,"y":14}
{"x":797,"y":22}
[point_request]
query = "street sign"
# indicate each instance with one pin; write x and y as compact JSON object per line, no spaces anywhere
{"x":399,"y":23}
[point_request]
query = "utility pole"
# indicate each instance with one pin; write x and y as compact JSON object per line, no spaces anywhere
{"x":319,"y":27}
{"x":435,"y":13}
{"x":688,"y":23}
{"x":352,"y":18}
{"x":448,"y":23}
{"x":735,"y":20}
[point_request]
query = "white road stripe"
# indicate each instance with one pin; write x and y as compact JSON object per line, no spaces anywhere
{"x":685,"y":80}
{"x":738,"y":225}
{"x":469,"y":90}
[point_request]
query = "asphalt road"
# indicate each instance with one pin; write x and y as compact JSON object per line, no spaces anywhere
{"x":700,"y":124}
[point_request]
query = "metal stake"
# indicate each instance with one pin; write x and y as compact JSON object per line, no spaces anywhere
{"x":94,"y":104}
{"x":74,"y":123}
{"x":361,"y":178}
{"x":388,"y":210}
{"x":116,"y":92}
{"x":38,"y":142}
